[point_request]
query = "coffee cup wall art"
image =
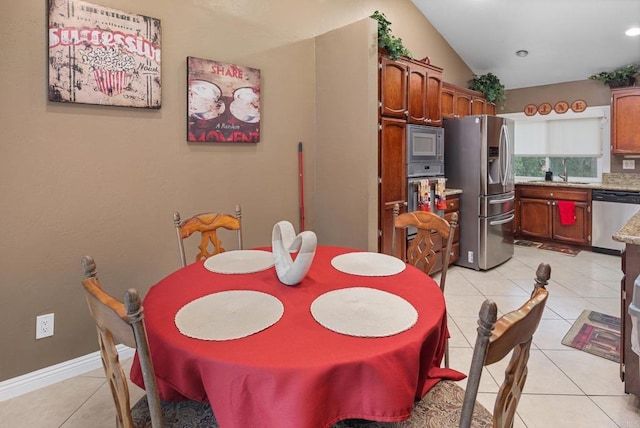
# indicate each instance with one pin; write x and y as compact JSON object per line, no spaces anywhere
{"x":223,"y":102}
{"x":100,"y":55}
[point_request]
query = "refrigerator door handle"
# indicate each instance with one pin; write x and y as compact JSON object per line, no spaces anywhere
{"x":507,"y":161}
{"x":501,"y":201}
{"x":499,"y":222}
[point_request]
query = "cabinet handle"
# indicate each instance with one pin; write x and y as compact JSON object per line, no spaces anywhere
{"x":550,"y":194}
{"x":553,"y":203}
{"x":548,"y":203}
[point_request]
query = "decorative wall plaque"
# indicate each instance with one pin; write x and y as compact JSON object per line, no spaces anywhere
{"x":544,"y":109}
{"x":223,"y":102}
{"x":578,"y":106}
{"x":531,"y":109}
{"x":561,"y":107}
{"x":99,"y":55}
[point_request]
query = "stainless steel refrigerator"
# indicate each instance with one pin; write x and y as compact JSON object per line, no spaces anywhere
{"x":478,"y":154}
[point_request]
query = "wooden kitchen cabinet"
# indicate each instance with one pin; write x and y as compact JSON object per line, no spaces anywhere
{"x":538,"y":216}
{"x":458,"y":102}
{"x":392,"y":88}
{"x":629,"y":369}
{"x":423,"y":93}
{"x":410,"y":89}
{"x":393,"y":178}
{"x":625,"y":123}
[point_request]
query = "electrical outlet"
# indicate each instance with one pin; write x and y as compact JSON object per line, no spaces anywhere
{"x":628,"y":164}
{"x":44,"y":326}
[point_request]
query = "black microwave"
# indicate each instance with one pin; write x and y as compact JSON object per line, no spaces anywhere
{"x":425,"y":151}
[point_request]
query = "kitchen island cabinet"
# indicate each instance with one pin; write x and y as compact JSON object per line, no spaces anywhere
{"x":538,"y":215}
{"x":625,"y":126}
{"x":629,"y":369}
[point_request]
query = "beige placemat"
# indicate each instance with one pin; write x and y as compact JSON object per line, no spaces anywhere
{"x":240,"y":261}
{"x":229,"y":315}
{"x":363,"y":312}
{"x":368,"y":264}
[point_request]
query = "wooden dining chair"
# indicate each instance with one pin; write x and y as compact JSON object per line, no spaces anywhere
{"x":424,"y":250}
{"x":119,"y":322}
{"x":207,"y":224}
{"x":511,"y":333}
{"x":447,"y":405}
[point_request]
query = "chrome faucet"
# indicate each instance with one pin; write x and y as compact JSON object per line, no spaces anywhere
{"x":565,"y":176}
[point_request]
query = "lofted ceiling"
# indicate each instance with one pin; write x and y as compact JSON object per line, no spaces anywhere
{"x":567,"y":40}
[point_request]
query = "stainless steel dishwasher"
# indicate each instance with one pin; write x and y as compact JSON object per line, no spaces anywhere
{"x":612,"y":209}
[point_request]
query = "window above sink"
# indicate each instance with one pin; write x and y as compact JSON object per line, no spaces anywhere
{"x":541,"y":142}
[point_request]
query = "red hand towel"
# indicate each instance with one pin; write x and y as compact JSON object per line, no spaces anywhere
{"x":567,"y":212}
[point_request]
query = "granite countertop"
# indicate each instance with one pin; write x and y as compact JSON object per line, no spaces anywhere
{"x":449,"y":192}
{"x":630,"y":232}
{"x":610,"y":181}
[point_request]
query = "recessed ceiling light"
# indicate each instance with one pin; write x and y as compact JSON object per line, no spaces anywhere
{"x":633,"y":31}
{"x":522,"y":53}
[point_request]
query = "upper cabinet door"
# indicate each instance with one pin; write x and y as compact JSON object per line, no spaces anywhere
{"x":447,"y":101}
{"x":462,"y":104}
{"x":478,"y":105}
{"x":625,"y":121}
{"x":417,"y":100}
{"x":393,"y":88}
{"x":434,"y":89}
{"x":425,"y":84}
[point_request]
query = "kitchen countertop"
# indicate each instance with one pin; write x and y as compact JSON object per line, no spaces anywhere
{"x":449,"y":192}
{"x":610,"y":181}
{"x":630,"y":232}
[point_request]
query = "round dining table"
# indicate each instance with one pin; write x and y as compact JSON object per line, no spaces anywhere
{"x":297,"y":372}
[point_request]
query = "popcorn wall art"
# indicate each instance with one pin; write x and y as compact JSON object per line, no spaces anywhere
{"x":99,"y":55}
{"x":223,"y":102}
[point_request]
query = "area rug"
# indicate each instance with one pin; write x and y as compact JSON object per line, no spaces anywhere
{"x":560,"y":249}
{"x":523,"y":243}
{"x":595,"y":333}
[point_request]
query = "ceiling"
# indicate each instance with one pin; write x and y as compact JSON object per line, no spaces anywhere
{"x":567,"y":40}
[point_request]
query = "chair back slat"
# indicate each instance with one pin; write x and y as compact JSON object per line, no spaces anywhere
{"x":207,"y":224}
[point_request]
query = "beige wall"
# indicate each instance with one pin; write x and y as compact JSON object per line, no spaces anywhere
{"x":104,"y":181}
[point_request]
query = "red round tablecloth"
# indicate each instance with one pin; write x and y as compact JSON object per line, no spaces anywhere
{"x":297,"y":373}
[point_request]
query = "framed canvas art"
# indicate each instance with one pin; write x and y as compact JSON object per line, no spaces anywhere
{"x":99,"y":55}
{"x":223,"y":102}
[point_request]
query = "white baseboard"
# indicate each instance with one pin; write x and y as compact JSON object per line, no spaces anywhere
{"x":16,"y":386}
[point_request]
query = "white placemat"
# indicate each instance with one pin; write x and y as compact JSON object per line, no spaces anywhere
{"x":240,"y":261}
{"x":364,"y":312}
{"x":368,"y":264}
{"x":229,"y":315}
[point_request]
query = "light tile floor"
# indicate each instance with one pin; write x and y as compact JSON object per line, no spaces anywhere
{"x":565,"y":387}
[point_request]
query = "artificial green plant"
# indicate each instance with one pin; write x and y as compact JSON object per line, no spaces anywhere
{"x":387,"y":41}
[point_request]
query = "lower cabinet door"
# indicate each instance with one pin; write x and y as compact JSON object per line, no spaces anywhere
{"x":576,"y":233}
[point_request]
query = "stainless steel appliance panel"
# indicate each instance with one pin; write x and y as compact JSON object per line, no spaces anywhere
{"x":497,"y":204}
{"x":611,"y":211}
{"x":496,"y":240}
{"x":479,"y":160}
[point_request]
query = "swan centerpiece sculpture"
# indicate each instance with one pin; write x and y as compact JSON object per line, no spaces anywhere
{"x":284,"y":241}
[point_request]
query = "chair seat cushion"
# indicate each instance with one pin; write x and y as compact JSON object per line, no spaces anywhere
{"x":439,"y":408}
{"x":182,"y":414}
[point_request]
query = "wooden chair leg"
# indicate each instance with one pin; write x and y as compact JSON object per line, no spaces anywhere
{"x":446,"y":354}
